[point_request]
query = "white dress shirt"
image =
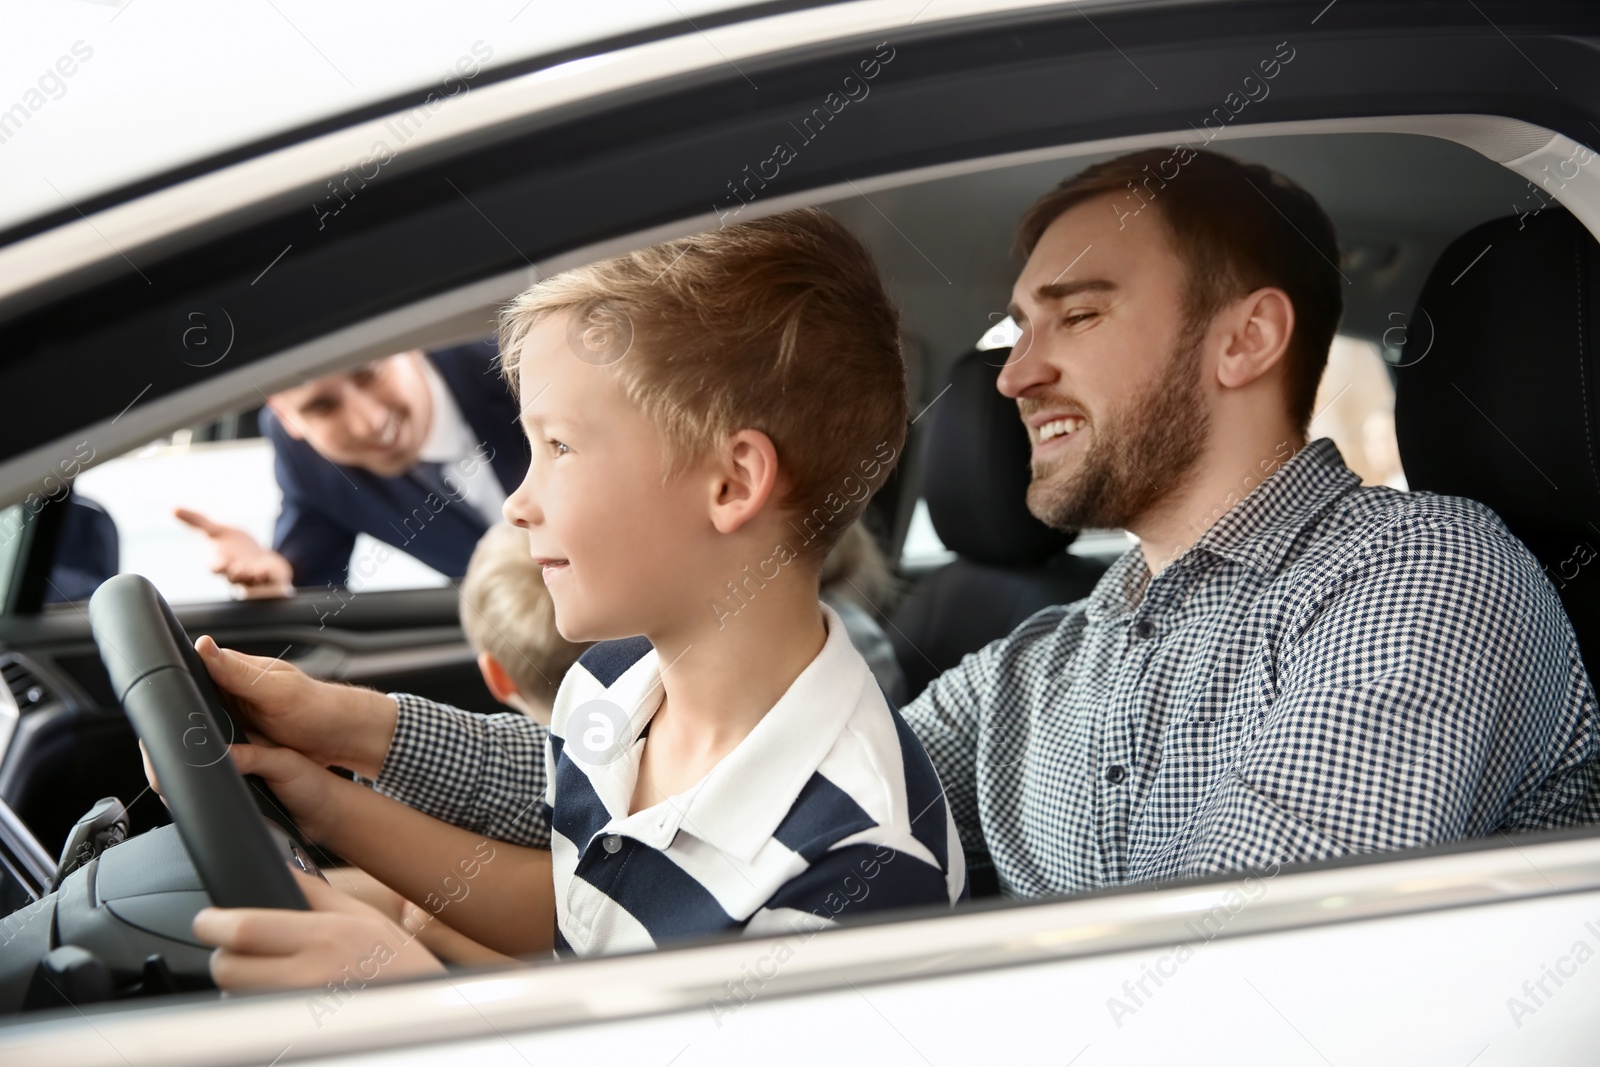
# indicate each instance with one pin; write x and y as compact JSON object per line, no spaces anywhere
{"x":464,"y":459}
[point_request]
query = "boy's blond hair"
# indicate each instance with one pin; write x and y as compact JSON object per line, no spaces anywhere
{"x":779,"y":324}
{"x":507,"y":612}
{"x":857,"y":571}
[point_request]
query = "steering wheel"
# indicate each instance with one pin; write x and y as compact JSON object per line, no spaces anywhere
{"x":186,"y":724}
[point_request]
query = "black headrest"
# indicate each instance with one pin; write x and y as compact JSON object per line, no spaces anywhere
{"x":976,"y":473}
{"x":1498,"y":390}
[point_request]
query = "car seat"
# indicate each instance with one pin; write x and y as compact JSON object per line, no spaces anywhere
{"x":1497,"y":394}
{"x":1008,"y":564}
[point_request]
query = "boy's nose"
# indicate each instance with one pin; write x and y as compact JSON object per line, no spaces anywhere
{"x":522,"y":508}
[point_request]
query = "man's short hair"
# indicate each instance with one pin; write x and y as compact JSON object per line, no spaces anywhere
{"x":1237,"y":227}
{"x":507,"y":612}
{"x":779,"y":324}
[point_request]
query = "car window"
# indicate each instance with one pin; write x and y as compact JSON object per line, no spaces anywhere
{"x":224,"y":470}
{"x":1355,"y":407}
{"x":12,"y":521}
{"x":922,"y":548}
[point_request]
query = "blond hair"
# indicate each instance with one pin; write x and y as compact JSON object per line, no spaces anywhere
{"x":857,"y":571}
{"x":779,"y":324}
{"x":507,"y":612}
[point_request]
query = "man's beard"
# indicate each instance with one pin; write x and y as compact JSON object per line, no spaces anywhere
{"x":1136,"y":456}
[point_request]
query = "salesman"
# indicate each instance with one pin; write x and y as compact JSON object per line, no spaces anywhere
{"x":417,"y":450}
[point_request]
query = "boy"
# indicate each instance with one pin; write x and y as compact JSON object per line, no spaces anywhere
{"x":510,"y":621}
{"x":707,"y":417}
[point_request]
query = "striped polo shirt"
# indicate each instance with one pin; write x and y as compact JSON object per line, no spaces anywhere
{"x":829,"y":809}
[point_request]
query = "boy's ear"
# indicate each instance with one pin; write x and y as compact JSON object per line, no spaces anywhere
{"x":501,"y":687}
{"x":745,"y":474}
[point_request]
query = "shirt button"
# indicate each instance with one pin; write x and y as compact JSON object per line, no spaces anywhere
{"x":1144,"y":629}
{"x":1116,"y":774}
{"x":611,"y":843}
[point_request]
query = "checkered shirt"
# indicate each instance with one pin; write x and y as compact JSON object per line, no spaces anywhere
{"x":1328,"y":670}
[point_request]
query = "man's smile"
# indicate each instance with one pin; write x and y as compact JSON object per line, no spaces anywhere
{"x":1054,"y":432}
{"x":392,"y":434}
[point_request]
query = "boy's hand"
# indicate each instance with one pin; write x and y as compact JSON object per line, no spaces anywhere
{"x":267,"y":948}
{"x":331,"y":724}
{"x":307,"y":791}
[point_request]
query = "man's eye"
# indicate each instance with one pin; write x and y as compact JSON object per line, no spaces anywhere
{"x":1076,"y":317}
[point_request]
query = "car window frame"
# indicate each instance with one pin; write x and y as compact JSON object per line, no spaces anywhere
{"x":1500,"y":865}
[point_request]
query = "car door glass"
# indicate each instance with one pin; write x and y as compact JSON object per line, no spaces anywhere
{"x":230,"y":480}
{"x":1355,"y":407}
{"x":12,"y":521}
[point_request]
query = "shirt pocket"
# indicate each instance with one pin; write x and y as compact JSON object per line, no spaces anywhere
{"x":1215,"y":690}
{"x":1197,"y":755}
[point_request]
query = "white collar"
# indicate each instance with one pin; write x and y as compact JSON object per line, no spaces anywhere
{"x":739,"y":804}
{"x":449,"y":437}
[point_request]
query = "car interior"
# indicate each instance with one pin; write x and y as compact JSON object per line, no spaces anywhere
{"x":1488,"y":356}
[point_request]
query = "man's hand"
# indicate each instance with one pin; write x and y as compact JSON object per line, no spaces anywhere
{"x":329,"y":723}
{"x":237,"y":556}
{"x":270,"y":948}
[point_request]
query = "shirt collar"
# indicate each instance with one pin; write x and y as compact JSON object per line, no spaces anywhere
{"x":1259,"y":530}
{"x":1256,"y":532}
{"x":739,"y":804}
{"x":448,"y":430}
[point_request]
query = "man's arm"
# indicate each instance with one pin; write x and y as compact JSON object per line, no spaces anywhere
{"x":318,"y":550}
{"x":486,"y":773}
{"x":239,"y":558}
{"x":976,"y":714}
{"x":1431,"y":691}
{"x":945,"y":717}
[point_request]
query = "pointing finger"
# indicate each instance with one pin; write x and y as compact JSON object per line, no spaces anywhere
{"x":193,"y":518}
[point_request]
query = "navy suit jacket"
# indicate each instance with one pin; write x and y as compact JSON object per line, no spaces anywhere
{"x":326,"y":504}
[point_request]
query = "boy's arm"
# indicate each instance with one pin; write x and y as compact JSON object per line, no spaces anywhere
{"x":340,"y":937}
{"x":483,"y":772}
{"x":496,"y":893}
{"x":447,"y":944}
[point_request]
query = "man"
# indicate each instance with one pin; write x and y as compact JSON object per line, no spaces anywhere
{"x":417,"y":450}
{"x":1287,"y":667}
